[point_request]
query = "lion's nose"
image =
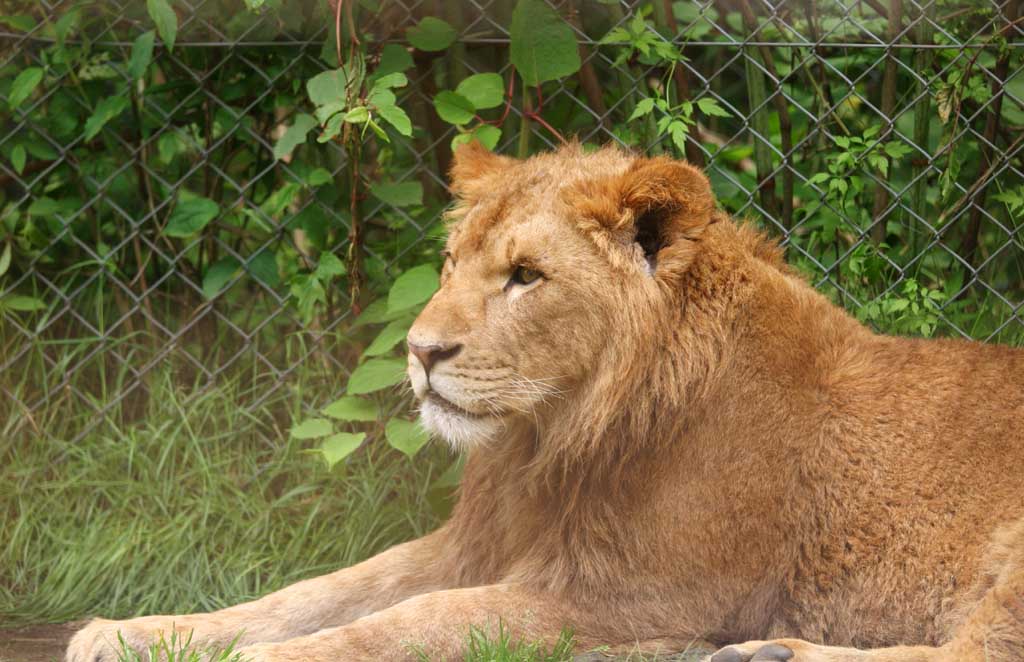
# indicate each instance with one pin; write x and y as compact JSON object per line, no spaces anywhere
{"x":429,"y":355}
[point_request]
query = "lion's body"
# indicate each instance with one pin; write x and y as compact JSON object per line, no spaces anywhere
{"x":829,"y":483}
{"x":718,"y":451}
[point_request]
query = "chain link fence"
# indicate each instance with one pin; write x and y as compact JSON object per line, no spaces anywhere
{"x":881,"y":140}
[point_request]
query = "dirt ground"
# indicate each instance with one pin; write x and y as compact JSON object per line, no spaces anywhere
{"x":35,"y":643}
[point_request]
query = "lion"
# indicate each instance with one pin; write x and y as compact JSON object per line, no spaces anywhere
{"x":671,"y":437}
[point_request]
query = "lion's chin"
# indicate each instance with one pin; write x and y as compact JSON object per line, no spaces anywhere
{"x":459,"y":429}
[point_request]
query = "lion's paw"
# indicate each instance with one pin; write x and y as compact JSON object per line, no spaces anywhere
{"x":100,"y":640}
{"x":754,"y":651}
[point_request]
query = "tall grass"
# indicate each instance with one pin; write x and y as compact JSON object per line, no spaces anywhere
{"x":195,"y":505}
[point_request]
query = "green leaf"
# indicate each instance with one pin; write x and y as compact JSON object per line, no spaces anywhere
{"x":377,"y":313}
{"x":44,"y":206}
{"x":5,"y":259}
{"x":23,"y":86}
{"x":312,"y":428}
{"x":308,"y":292}
{"x":397,"y":118}
{"x":413,"y":287}
{"x":399,"y":194}
{"x":678,"y":131}
{"x":710,"y":106}
{"x":393,"y":58}
{"x":485,"y":133}
{"x":390,"y":335}
{"x":453,"y":108}
{"x":190,"y":216}
{"x":406,"y":436}
{"x":329,"y":110}
{"x":20,"y":22}
{"x":376,"y":374}
{"x":219,"y":274}
{"x":381,"y":98}
{"x":18,"y":157}
{"x":165,"y":19}
{"x":350,"y":408}
{"x":897,"y":150}
{"x":313,"y":220}
{"x":294,"y":135}
{"x":337,"y":447}
{"x":23,"y":304}
{"x":389,"y":81}
{"x":357,"y":115}
{"x":318,"y":177}
{"x":106,"y":110}
{"x":378,"y":130}
{"x":643,"y":107}
{"x":431,"y":34}
{"x":331,"y":128}
{"x":279,"y":200}
{"x":327,"y":87}
{"x":488,"y":135}
{"x":329,"y":267}
{"x":142,"y":54}
{"x":482,"y":90}
{"x":543,"y":45}
{"x":263,"y":267}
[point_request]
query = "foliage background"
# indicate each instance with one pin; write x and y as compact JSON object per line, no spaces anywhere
{"x":213,"y":238}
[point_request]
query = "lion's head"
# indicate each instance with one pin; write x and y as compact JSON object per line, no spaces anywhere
{"x":553,"y":267}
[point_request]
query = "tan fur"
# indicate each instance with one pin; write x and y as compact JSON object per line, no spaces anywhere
{"x":709,"y":451}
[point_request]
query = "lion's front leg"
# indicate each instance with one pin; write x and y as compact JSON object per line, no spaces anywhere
{"x":796,"y":650}
{"x":437,"y":624}
{"x":300,"y":609}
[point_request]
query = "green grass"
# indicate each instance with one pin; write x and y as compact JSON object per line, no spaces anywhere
{"x":482,"y":646}
{"x":177,"y":649}
{"x":195,"y":506}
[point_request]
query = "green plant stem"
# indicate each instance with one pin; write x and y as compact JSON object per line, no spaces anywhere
{"x":895,"y":14}
{"x":355,"y":233}
{"x":666,"y":20}
{"x":757,"y":96}
{"x":922,"y":127}
{"x":435,"y":127}
{"x":785,"y":123}
{"x":822,"y":91}
{"x":146,"y":191}
{"x":971,"y":240}
{"x":523,"y":149}
{"x":587,"y":76}
{"x":616,"y":15}
{"x":456,"y":55}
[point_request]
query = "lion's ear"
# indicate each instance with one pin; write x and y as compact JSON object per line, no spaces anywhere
{"x":660,"y":204}
{"x":474,"y":168}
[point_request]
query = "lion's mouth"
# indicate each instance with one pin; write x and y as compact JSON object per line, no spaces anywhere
{"x":450,"y":406}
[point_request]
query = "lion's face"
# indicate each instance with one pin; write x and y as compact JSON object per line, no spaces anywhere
{"x":529,"y":293}
{"x":514,"y":325}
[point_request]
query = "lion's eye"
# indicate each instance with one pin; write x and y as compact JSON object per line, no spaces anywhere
{"x":524,"y":275}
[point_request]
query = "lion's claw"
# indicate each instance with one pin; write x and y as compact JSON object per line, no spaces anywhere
{"x":766,"y":653}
